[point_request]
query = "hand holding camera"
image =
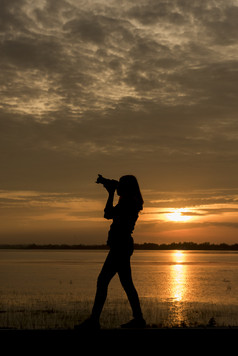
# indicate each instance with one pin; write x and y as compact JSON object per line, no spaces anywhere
{"x":109,"y":184}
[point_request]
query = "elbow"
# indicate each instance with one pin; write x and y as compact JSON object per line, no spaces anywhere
{"x":107,"y":216}
{"x":108,"y":213}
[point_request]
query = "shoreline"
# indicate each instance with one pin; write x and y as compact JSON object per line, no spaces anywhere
{"x":55,"y":315}
{"x":186,"y":246}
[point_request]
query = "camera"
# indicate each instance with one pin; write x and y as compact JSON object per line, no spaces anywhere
{"x":107,"y":183}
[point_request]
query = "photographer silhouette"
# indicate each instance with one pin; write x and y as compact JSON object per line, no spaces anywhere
{"x":120,"y":242}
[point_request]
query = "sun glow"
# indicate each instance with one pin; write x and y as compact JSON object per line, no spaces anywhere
{"x":179,"y":215}
{"x":178,"y":257}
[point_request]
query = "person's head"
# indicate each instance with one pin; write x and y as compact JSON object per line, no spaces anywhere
{"x":128,"y":188}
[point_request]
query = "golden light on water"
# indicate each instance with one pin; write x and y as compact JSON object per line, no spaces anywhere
{"x":178,"y":276}
{"x":178,"y":256}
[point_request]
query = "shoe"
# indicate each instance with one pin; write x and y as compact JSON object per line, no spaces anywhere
{"x":88,"y":324}
{"x":134,"y":324}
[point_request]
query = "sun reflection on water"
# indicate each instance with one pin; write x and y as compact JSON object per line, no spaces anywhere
{"x":178,"y":286}
{"x":178,"y":257}
{"x":178,"y":276}
{"x":177,"y":290}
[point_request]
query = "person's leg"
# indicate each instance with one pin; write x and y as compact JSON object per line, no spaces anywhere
{"x":107,"y":273}
{"x":124,"y":272}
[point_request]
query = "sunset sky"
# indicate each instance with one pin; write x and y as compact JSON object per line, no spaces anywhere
{"x":142,"y":87}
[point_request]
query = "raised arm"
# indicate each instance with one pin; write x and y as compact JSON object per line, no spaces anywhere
{"x":108,"y":211}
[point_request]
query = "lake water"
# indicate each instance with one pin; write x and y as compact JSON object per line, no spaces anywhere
{"x":204,"y":276}
{"x":67,"y":276}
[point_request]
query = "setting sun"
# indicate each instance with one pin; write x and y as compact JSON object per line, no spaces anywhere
{"x":177,"y":215}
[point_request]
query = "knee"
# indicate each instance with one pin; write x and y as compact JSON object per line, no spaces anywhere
{"x":127,"y":283}
{"x":102,"y":282}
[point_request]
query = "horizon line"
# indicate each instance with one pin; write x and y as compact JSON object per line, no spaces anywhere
{"x":137,"y":246}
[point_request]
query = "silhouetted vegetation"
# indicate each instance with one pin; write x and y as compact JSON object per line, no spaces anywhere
{"x":63,"y":311}
{"x":53,"y":247}
{"x":187,"y":246}
{"x":144,"y":246}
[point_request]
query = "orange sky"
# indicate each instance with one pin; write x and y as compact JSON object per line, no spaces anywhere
{"x":147,"y":88}
{"x":200,"y":216}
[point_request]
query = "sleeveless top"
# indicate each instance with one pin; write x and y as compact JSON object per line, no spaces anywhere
{"x":124,"y":216}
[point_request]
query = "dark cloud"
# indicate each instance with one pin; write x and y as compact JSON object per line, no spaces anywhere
{"x":154,"y":12}
{"x":25,"y":53}
{"x":221,"y":24}
{"x":98,"y":59}
{"x":12,"y":18}
{"x":87,"y":28}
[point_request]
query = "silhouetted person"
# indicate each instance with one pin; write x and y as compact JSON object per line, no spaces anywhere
{"x":120,"y":242}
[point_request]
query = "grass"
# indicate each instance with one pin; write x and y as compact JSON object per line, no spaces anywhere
{"x":58,"y":312}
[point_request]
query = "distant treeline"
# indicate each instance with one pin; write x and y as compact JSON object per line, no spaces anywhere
{"x":186,"y":246}
{"x":144,"y":246}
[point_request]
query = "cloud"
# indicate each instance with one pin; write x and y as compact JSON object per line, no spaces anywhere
{"x":156,"y":12}
{"x":221,"y":24}
{"x":192,"y":198}
{"x":33,"y":206}
{"x":86,"y":28}
{"x":209,"y":212}
{"x":92,"y":58}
